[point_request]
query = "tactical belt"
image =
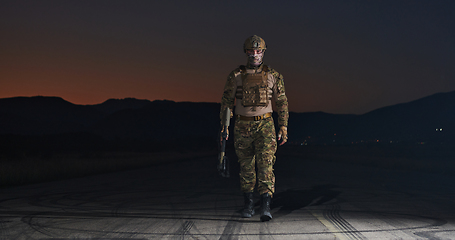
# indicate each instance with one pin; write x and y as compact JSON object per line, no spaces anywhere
{"x":255,"y":118}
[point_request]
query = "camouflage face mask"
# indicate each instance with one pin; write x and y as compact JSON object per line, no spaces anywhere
{"x":255,"y":57}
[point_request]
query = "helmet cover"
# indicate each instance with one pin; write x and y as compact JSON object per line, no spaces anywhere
{"x":254,"y":43}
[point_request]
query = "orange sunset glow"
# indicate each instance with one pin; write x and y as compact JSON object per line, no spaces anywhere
{"x":336,"y":58}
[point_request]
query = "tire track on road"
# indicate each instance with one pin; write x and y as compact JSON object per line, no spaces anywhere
{"x":3,"y":229}
{"x":341,"y":228}
{"x":184,"y":230}
{"x":232,"y":228}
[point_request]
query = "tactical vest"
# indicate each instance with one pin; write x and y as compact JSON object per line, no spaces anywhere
{"x":254,"y":89}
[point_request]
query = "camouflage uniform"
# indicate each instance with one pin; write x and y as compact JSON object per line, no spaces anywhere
{"x":255,"y":141}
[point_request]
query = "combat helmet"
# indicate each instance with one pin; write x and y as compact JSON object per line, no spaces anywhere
{"x":254,"y":42}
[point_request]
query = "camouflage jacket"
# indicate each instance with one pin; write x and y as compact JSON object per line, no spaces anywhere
{"x":276,"y":86}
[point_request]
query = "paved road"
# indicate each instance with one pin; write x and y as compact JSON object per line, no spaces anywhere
{"x":187,"y":200}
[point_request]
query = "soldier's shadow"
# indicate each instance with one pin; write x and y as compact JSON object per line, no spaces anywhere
{"x":294,"y":199}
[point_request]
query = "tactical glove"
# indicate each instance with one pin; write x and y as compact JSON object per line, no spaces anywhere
{"x":222,"y":132}
{"x":283,"y":135}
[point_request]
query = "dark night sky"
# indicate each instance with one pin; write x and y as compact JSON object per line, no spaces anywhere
{"x":336,"y":56}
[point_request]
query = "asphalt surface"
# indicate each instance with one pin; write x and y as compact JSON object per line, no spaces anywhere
{"x":188,"y":200}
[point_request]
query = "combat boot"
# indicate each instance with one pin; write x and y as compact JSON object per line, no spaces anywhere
{"x":248,"y":209}
{"x":266,"y":199}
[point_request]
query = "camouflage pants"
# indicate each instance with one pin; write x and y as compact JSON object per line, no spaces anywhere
{"x":255,"y":146}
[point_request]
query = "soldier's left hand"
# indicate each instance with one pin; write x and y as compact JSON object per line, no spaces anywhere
{"x":221,"y":135}
{"x":283,"y":135}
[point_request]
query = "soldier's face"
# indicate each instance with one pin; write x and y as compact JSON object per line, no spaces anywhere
{"x":255,"y":56}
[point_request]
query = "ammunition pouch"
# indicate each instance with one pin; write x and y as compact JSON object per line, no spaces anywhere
{"x":253,"y":91}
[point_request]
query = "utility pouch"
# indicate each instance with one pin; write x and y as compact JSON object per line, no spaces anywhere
{"x":254,"y":87}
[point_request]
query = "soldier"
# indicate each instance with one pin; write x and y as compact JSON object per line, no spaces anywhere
{"x":252,"y":88}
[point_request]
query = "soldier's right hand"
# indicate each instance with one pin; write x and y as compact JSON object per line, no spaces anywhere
{"x":283,"y":135}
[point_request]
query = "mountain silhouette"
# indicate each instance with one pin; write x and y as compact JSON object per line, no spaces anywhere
{"x":45,"y":115}
{"x":317,"y":126}
{"x":161,"y":120}
{"x":425,"y":119}
{"x":417,"y":120}
{"x":428,"y":119}
{"x":113,"y":105}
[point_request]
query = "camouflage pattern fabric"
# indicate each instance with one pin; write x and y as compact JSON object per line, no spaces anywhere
{"x":281,"y":101}
{"x":228,"y":98}
{"x":255,"y":144}
{"x":255,"y":141}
